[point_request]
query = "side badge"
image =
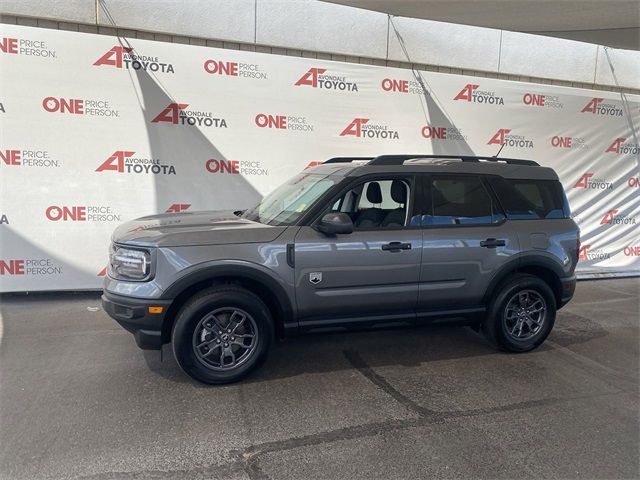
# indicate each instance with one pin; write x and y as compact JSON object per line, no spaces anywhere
{"x":315,"y":277}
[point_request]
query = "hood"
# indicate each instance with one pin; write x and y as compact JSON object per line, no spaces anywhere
{"x":194,"y":228}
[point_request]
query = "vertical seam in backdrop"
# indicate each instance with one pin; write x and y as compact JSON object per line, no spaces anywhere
{"x":500,"y":51}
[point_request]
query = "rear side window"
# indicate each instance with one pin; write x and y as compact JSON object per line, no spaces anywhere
{"x":460,"y":200}
{"x":531,"y":199}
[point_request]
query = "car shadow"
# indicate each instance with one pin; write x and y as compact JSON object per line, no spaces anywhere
{"x":412,"y":346}
{"x":325,"y":352}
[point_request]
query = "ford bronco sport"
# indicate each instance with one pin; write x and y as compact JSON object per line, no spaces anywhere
{"x":349,"y":243}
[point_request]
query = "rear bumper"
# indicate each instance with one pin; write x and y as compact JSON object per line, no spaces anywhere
{"x":568,"y":289}
{"x":133,"y":315}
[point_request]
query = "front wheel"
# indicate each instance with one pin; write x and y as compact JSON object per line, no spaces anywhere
{"x":521,"y":314}
{"x":221,"y":334}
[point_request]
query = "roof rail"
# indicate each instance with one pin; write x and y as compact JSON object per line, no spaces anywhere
{"x":346,"y":159}
{"x":400,"y":159}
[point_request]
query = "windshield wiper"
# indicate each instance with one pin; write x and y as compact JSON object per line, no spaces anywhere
{"x":239,"y":213}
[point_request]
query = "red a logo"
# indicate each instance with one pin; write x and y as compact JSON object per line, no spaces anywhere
{"x":466,"y":93}
{"x":584,"y":181}
{"x":170,"y":114}
{"x":355,"y":127}
{"x":583,"y":253}
{"x":311,"y":77}
{"x":592,"y":105}
{"x":615,"y":146}
{"x":178,"y":207}
{"x":115,"y":162}
{"x":498,"y":138}
{"x":608,"y":217}
{"x":113,"y":57}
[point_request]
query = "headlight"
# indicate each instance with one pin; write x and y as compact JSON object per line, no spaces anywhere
{"x":129,"y":264}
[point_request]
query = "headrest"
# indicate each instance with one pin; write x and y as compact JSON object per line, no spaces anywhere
{"x":398,"y":191}
{"x":374,"y":194}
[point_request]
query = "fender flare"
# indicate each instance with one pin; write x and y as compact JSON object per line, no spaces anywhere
{"x":522,"y":261}
{"x":250,"y":271}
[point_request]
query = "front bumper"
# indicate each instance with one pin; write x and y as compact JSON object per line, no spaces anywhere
{"x":133,"y":315}
{"x":568,"y":289}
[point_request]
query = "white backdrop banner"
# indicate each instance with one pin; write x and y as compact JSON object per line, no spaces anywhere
{"x":98,"y":130}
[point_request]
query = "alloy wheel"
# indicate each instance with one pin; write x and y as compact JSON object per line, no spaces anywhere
{"x":524,"y":315}
{"x":225,"y":339}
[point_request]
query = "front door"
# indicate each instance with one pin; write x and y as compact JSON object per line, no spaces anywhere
{"x":369,"y":275}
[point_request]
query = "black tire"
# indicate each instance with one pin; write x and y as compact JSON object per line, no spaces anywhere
{"x":497,"y":325}
{"x":223,"y":299}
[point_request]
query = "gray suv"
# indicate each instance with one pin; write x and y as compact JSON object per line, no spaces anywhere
{"x":350,"y":243}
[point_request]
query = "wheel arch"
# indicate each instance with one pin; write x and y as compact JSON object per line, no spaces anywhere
{"x":269,"y":289}
{"x":542,"y":267}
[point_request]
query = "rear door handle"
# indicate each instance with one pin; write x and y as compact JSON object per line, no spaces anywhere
{"x":396,"y":246}
{"x":492,"y":243}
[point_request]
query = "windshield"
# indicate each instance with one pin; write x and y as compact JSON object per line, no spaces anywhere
{"x":286,"y":204}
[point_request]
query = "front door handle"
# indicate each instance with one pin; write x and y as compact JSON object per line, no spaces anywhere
{"x":396,"y":246}
{"x":492,"y":243}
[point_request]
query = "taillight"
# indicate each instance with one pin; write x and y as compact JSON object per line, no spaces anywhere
{"x":578,"y":244}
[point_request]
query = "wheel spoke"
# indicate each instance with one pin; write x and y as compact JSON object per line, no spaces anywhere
{"x":537,"y":302}
{"x":206,"y":342}
{"x":515,"y":326}
{"x":537,"y":322}
{"x":210,"y":351}
{"x":208,"y":323}
{"x":243,"y":335}
{"x":523,"y":298}
{"x":236,"y":322}
{"x":222,"y":357}
{"x":211,"y":323}
{"x":229,"y":353}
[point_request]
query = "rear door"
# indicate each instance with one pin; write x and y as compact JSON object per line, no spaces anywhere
{"x":370,"y":274}
{"x":466,"y":239}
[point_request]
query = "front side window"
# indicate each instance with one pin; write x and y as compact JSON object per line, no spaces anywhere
{"x":460,"y":200}
{"x":287,"y":203}
{"x":377,"y":204}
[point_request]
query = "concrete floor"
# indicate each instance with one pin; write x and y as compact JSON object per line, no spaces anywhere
{"x":79,"y":400}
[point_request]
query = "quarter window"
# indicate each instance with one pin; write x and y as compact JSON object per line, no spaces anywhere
{"x":531,"y":199}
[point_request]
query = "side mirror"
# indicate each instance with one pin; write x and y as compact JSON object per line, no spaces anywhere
{"x":334,"y":223}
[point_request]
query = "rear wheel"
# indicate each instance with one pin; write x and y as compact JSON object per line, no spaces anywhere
{"x":521,"y":314}
{"x":221,"y":334}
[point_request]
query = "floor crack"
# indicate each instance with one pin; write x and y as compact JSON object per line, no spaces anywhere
{"x":248,"y":458}
{"x":359,"y":364}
